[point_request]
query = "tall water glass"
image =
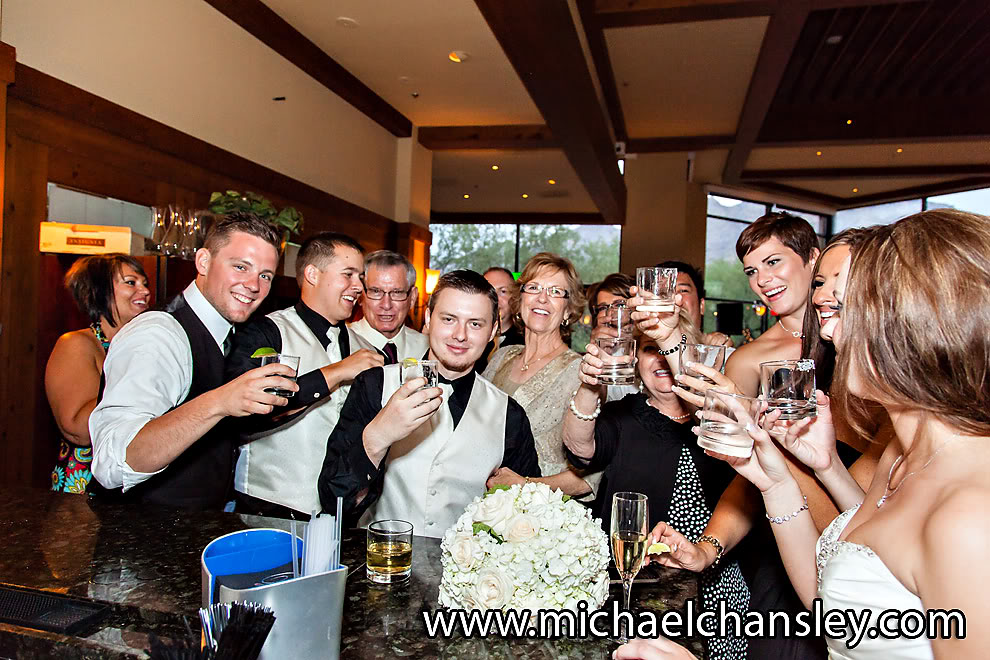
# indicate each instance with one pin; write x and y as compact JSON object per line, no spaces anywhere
{"x":159,"y":227}
{"x":723,"y":423}
{"x":630,"y":538}
{"x":789,"y":386}
{"x":657,"y":287}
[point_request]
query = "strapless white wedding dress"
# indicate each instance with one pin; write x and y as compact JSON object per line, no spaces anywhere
{"x":852,"y":576}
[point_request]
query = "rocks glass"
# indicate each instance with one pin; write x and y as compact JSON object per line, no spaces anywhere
{"x":789,"y":386}
{"x":411,"y":368}
{"x":389,"y":551}
{"x":288,"y":360}
{"x":657,"y":287}
{"x":723,"y":423}
{"x":619,"y":357}
{"x":704,"y":354}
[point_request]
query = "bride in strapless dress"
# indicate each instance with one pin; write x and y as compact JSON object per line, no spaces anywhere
{"x":914,"y":549}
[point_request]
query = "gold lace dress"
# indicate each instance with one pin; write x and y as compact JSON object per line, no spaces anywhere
{"x":544,"y":397}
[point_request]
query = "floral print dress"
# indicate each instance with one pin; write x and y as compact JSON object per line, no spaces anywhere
{"x":72,"y":470}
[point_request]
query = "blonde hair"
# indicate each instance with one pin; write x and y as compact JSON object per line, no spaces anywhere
{"x":553,"y":262}
{"x":915,"y":320}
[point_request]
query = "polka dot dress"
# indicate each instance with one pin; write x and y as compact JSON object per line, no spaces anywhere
{"x":689,"y":514}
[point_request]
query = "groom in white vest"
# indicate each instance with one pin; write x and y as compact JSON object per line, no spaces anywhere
{"x":422,"y":454}
{"x":277,"y":468}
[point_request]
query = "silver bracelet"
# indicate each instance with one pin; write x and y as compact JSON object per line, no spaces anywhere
{"x":585,"y":418}
{"x":780,"y":520}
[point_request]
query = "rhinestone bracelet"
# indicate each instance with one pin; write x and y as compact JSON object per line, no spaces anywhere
{"x":780,"y":520}
{"x":585,"y":418}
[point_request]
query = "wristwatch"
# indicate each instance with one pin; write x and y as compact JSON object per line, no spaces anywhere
{"x":714,"y":542}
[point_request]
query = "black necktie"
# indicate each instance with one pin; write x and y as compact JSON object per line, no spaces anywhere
{"x":391,"y":353}
{"x":228,"y":342}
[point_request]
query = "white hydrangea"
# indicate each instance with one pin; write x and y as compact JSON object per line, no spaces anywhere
{"x":524,"y":547}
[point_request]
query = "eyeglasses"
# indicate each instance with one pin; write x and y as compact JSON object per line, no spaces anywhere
{"x":534,"y":289}
{"x":599,"y":309}
{"x":397,"y":295}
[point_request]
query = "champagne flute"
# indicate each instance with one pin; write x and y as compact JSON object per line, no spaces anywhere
{"x":630,"y":538}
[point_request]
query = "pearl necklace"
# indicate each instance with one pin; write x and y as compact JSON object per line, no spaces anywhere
{"x":887,"y":491}
{"x":675,"y":418}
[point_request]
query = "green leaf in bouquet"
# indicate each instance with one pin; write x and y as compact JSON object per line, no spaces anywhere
{"x":478,"y":527}
{"x":564,"y":498}
{"x":494,"y":488}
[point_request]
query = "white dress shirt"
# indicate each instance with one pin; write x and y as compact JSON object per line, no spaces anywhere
{"x":148,"y":372}
{"x":408,"y":342}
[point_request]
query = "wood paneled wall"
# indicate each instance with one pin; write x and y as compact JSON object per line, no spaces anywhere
{"x":59,"y":133}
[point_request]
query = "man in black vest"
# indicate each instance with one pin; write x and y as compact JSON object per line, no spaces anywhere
{"x":157,"y":427}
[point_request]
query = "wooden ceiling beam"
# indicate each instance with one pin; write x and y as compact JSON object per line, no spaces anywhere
{"x":511,"y":137}
{"x":867,"y":172}
{"x":779,"y":41}
{"x":679,"y":143}
{"x":255,"y":17}
{"x":541,"y":41}
{"x":595,"y":36}
{"x":521,"y":218}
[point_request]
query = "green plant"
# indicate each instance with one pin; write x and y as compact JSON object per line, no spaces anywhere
{"x":288,"y":220}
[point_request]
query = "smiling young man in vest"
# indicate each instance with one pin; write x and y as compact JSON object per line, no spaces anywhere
{"x":389,"y":293}
{"x":422,"y":455}
{"x":157,"y":430}
{"x":277,"y":469}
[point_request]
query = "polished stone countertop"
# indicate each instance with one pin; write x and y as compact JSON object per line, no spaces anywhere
{"x":144,"y":562}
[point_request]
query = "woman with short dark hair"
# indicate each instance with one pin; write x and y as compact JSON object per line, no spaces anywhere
{"x":110,"y":290}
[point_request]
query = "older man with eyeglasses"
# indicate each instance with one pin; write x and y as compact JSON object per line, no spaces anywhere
{"x":389,"y":293}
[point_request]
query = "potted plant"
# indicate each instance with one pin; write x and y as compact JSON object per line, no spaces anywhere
{"x":288,"y":221}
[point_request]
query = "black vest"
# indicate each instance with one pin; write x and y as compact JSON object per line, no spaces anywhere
{"x":202,"y":476}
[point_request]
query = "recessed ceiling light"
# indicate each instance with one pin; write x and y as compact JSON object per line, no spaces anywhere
{"x":467,"y":196}
{"x":525,"y":196}
{"x":495,"y":167}
{"x":552,"y":182}
{"x":834,"y":40}
{"x":818,"y":153}
{"x":458,"y":56}
{"x":346,"y":22}
{"x":899,"y":150}
{"x":849,"y":122}
{"x":855,"y":189}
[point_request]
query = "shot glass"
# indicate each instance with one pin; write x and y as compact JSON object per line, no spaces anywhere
{"x":288,"y":360}
{"x":789,"y":386}
{"x":389,"y":558}
{"x":412,"y":368}
{"x":723,"y":423}
{"x":619,"y":356}
{"x":657,"y":287}
{"x":705,"y":354}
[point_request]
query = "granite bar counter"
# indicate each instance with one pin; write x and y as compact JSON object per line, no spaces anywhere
{"x":144,"y":562}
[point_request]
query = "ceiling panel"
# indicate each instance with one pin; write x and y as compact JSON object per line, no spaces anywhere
{"x":844,"y":187}
{"x":871,"y":155}
{"x":401,"y":50}
{"x":673,"y":82}
{"x":456,"y":173}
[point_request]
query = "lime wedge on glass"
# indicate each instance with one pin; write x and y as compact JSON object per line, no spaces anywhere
{"x":657,"y":548}
{"x":264,"y":350}
{"x":410,"y":362}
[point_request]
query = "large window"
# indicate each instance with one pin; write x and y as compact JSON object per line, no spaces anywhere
{"x":974,"y":201}
{"x":724,"y":279}
{"x":594,"y":249}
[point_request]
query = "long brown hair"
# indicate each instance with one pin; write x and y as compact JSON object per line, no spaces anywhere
{"x":915,"y":321}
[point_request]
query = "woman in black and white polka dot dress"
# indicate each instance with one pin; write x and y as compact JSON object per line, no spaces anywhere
{"x":644,"y":444}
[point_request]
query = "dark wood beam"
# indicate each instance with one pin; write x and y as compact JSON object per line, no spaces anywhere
{"x":459,"y":218}
{"x":511,"y":137}
{"x":603,"y":67}
{"x":272,"y":30}
{"x":679,"y":143}
{"x":778,"y":43}
{"x":796,"y":193}
{"x":857,"y":141}
{"x":542,"y":43}
{"x":927,"y":190}
{"x":867,"y":172}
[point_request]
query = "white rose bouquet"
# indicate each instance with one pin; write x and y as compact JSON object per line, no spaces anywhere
{"x":527,"y":548}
